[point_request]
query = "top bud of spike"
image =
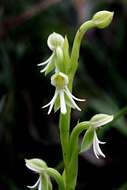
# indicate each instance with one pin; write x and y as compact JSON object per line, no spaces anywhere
{"x":102,"y":19}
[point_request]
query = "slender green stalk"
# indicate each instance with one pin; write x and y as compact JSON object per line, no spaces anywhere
{"x":73,"y":166}
{"x":77,"y":42}
{"x":53,"y":173}
{"x":64,"y":125}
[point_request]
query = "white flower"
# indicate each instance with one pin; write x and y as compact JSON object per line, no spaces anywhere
{"x":55,"y":43}
{"x":38,"y":166}
{"x":96,"y":148}
{"x":60,"y":81}
{"x":97,"y":121}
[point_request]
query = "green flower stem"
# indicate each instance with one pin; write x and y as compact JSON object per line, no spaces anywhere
{"x":73,"y":166}
{"x":65,"y":119}
{"x":77,"y":42}
{"x":64,"y":134}
{"x":64,"y":125}
{"x":55,"y":174}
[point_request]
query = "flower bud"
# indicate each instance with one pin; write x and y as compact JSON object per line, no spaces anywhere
{"x":55,"y":40}
{"x":102,"y":18}
{"x":99,"y":120}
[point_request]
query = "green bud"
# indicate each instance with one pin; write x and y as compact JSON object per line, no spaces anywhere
{"x":102,"y":18}
{"x":99,"y":120}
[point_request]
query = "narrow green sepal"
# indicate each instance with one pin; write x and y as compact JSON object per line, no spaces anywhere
{"x":87,"y":139}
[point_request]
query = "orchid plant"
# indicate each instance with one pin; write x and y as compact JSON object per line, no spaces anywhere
{"x":63,"y":65}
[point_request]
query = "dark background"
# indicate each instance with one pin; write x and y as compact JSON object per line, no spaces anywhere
{"x":26,"y":131}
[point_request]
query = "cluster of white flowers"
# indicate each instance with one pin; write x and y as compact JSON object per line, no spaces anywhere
{"x":59,"y":80}
{"x":62,"y":93}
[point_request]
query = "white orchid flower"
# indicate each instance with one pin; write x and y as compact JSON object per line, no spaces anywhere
{"x":98,"y":121}
{"x":60,"y":81}
{"x":38,"y":166}
{"x":55,"y":43}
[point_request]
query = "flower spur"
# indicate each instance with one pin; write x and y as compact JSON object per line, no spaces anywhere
{"x":55,"y":43}
{"x":60,"y":81}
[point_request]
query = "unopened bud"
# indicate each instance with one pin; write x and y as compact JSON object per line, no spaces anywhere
{"x":102,"y":18}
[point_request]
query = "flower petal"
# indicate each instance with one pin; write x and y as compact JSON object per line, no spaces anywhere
{"x":75,"y":98}
{"x":72,"y":101}
{"x":52,"y":102}
{"x":35,"y":185}
{"x":96,"y":147}
{"x":40,"y":185}
{"x":45,"y":62}
{"x":62,"y":103}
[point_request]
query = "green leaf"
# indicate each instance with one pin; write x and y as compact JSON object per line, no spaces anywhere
{"x":87,"y":139}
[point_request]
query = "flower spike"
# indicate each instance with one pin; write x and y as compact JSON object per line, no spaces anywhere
{"x":60,"y":81}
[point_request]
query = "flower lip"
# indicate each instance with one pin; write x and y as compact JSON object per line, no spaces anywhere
{"x":96,"y":148}
{"x":55,"y":40}
{"x":59,"y":80}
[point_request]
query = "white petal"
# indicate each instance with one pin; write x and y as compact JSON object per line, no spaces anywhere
{"x":45,"y":62}
{"x":45,"y":68}
{"x":40,"y":186}
{"x":72,"y":101}
{"x":96,"y":147}
{"x":52,"y":100}
{"x":75,"y":98}
{"x":51,"y":103}
{"x":62,"y":103}
{"x":35,"y":185}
